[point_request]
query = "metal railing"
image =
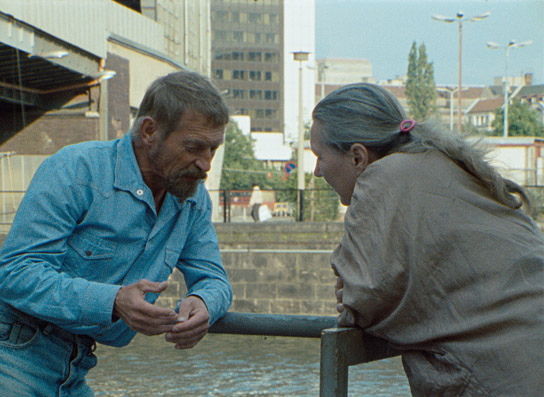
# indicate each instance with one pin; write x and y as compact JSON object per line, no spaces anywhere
{"x":340,"y":347}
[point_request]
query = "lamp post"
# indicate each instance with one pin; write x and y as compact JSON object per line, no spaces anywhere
{"x":322,"y":67}
{"x":459,"y":19}
{"x":300,"y":56}
{"x":511,"y":44}
{"x":450,"y":91}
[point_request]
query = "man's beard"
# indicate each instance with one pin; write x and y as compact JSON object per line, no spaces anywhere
{"x":177,"y":184}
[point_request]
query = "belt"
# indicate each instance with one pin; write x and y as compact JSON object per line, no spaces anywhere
{"x":48,"y":328}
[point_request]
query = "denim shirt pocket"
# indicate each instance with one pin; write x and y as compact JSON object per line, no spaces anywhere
{"x":88,"y":255}
{"x":171,"y":258}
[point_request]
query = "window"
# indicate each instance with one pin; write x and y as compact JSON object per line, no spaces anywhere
{"x":240,"y":94}
{"x":225,"y":56}
{"x":271,"y":57}
{"x":269,"y":38}
{"x":258,"y":38}
{"x":255,"y":94}
{"x":238,"y":75}
{"x":238,"y":37}
{"x":219,"y":74}
{"x":255,"y":56}
{"x":268,"y":76}
{"x":271,"y":95}
{"x":255,"y":75}
{"x":235,"y":17}
{"x":274,"y":19}
{"x":221,"y":16}
{"x":254,"y":18}
{"x":271,"y":113}
{"x":237,"y":56}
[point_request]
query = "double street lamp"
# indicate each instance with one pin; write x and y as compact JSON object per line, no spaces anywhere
{"x":459,"y":19}
{"x":511,"y":44}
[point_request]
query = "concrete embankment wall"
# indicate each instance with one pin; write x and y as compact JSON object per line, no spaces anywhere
{"x":278,"y":268}
{"x":274,"y":267}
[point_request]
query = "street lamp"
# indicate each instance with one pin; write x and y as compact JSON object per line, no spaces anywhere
{"x":459,"y":19}
{"x":300,"y":56}
{"x":321,"y":68}
{"x":511,"y":44}
{"x":450,"y":91}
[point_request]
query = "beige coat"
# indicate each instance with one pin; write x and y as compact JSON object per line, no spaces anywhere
{"x":454,"y":279}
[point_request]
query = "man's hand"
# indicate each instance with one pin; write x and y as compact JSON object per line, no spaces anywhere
{"x":193,"y":323}
{"x":140,"y":315}
{"x":339,"y":291}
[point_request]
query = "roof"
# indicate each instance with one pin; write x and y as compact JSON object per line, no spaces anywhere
{"x":531,"y":90}
{"x":270,"y":146}
{"x":486,"y":105}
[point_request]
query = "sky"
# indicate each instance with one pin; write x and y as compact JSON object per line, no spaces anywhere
{"x":382,"y":31}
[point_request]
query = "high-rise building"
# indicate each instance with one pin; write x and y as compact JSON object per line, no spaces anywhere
{"x":247,"y":58}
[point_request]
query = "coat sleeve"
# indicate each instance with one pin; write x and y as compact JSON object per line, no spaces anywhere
{"x":372,"y":256}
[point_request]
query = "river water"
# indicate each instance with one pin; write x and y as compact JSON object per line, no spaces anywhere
{"x":232,"y":365}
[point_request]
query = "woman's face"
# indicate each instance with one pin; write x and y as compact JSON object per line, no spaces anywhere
{"x":338,"y":169}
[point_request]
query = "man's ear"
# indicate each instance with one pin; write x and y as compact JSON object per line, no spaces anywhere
{"x":359,"y":156}
{"x":148,"y":130}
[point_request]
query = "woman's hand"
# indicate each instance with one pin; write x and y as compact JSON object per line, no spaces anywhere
{"x":339,"y":291}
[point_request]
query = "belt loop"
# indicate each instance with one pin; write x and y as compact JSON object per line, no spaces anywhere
{"x":15,"y":331}
{"x":47,"y":329}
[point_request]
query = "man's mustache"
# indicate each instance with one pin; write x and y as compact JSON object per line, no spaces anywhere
{"x":192,"y":173}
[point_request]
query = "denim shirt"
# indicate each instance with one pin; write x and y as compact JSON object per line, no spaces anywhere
{"x":88,"y":225}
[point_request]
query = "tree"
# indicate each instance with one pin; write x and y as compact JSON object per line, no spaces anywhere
{"x":241,"y":170}
{"x":522,"y":121}
{"x":420,"y":85}
{"x":240,"y":167}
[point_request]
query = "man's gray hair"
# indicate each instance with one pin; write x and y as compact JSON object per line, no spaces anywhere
{"x":370,"y":115}
{"x":169,"y":96}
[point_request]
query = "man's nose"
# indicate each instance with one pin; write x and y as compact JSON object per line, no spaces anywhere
{"x":204,"y":161}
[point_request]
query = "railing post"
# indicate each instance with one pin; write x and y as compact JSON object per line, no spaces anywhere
{"x":342,"y":347}
{"x":300,"y":205}
{"x":226,"y":206}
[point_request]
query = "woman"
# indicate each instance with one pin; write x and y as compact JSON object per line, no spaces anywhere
{"x":437,"y":256}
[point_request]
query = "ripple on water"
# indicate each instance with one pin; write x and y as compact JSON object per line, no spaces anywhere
{"x":231,"y":365}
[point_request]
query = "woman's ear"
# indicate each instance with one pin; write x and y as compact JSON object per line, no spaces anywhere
{"x":360,"y":156}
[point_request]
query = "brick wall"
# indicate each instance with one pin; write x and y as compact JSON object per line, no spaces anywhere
{"x":52,"y":132}
{"x":118,"y":97}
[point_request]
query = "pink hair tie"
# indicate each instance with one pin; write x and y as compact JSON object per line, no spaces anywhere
{"x":407,"y":125}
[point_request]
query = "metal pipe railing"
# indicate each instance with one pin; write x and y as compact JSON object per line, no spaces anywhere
{"x":340,"y":347}
{"x":272,"y":324}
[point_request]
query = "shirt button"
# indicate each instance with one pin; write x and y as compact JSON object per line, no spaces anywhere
{"x":139,"y":192}
{"x":88,"y":253}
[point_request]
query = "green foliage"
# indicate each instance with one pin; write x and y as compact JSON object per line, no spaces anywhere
{"x":320,"y":200}
{"x":420,"y":85}
{"x":522,"y":121}
{"x":240,"y":167}
{"x":241,"y":170}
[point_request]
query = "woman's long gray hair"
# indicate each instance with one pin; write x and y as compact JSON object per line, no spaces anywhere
{"x":369,"y":114}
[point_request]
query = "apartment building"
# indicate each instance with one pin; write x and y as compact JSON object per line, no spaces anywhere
{"x":247,"y":59}
{"x":252,"y":60}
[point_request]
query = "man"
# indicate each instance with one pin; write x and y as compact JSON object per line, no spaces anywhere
{"x":100,"y":229}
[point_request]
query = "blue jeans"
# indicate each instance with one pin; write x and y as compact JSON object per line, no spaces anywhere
{"x":41,"y":359}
